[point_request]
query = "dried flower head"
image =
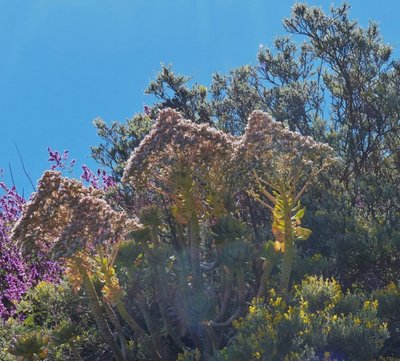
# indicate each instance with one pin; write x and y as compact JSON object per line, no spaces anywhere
{"x":184,"y":161}
{"x":266,"y":146}
{"x":63,"y":216}
{"x":177,"y":140}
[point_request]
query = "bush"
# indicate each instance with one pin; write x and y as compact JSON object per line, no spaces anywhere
{"x":318,"y":323}
{"x":53,"y":321}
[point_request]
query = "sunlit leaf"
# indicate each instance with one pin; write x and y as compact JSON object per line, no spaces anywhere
{"x":303,"y":233}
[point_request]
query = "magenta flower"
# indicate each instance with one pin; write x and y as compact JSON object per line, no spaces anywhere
{"x":98,"y":180}
{"x":60,"y":160}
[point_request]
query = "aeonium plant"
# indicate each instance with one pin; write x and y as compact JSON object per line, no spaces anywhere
{"x":195,"y":169}
{"x":185,"y":170}
{"x":74,"y":225}
{"x":282,"y":164}
{"x":188,"y":264}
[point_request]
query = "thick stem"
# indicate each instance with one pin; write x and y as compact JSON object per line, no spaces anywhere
{"x":212,"y":336}
{"x":267,"y":268}
{"x":194,"y":239}
{"x":227,"y":294}
{"x":131,"y":321}
{"x":152,"y":327}
{"x":183,"y":290}
{"x":161,"y":293}
{"x":163,"y":302}
{"x":287,"y":264}
{"x":241,"y":285}
{"x":289,"y":252}
{"x":104,"y":329}
{"x":117,"y":325}
{"x":228,"y":322}
{"x":139,"y":331}
{"x":180,"y":236}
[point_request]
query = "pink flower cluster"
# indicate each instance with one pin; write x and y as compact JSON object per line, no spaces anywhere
{"x":266,"y":146}
{"x":64,"y":217}
{"x":173,"y":140}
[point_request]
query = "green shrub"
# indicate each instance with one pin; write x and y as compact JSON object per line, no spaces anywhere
{"x":53,"y":323}
{"x":318,"y":323}
{"x":388,"y":309}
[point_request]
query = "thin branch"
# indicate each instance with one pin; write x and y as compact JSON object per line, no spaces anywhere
{"x":23,"y":166}
{"x":12,"y":175}
{"x":268,"y":195}
{"x":256,"y":197}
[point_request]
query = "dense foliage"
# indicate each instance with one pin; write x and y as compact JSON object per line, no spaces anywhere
{"x":224,"y":234}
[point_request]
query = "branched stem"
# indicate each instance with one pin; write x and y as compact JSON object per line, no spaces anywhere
{"x":139,"y":331}
{"x":98,"y":315}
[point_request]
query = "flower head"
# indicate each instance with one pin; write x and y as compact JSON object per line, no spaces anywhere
{"x":63,"y":217}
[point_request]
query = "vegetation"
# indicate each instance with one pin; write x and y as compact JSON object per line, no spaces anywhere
{"x":225,"y":233}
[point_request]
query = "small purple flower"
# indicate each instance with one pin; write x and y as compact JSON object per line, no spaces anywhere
{"x":99,"y":180}
{"x":147,"y":110}
{"x":60,"y":160}
{"x":89,"y":177}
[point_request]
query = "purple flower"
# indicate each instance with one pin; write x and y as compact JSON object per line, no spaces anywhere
{"x":147,"y":110}
{"x":60,"y":160}
{"x":99,"y":180}
{"x":17,"y":274}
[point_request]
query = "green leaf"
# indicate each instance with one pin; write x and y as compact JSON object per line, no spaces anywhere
{"x":300,"y":214}
{"x":297,"y":207}
{"x":29,"y":321}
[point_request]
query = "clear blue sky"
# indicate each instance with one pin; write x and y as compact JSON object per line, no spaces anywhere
{"x":65,"y":62}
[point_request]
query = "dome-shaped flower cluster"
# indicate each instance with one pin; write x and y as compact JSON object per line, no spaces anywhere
{"x":175,"y":140}
{"x":269,"y":148}
{"x":63,"y":216}
{"x":266,"y":146}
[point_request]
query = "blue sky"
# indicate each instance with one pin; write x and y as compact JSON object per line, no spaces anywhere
{"x":65,"y":62}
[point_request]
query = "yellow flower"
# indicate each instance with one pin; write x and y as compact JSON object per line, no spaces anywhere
{"x":326,"y":330}
{"x":252,"y":310}
{"x":278,"y":301}
{"x":257,"y":355}
{"x":304,"y":317}
{"x":371,"y":304}
{"x":327,"y":356}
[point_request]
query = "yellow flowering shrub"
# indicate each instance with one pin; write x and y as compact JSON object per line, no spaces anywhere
{"x":319,"y":322}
